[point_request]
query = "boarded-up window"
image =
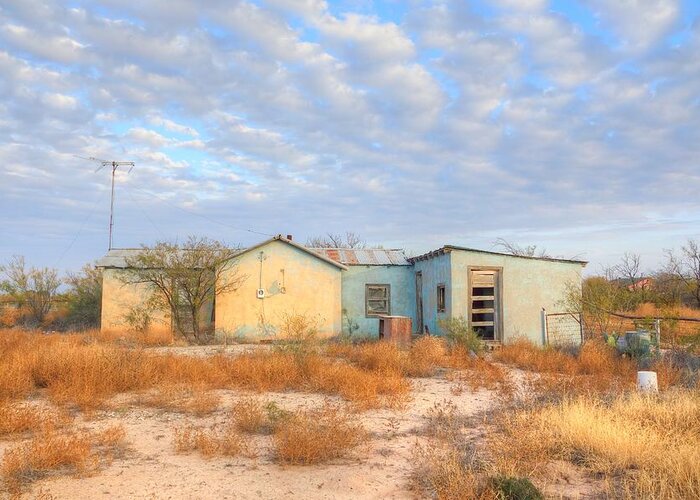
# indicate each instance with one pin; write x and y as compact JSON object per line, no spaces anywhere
{"x":441,"y":298}
{"x":484,"y":298}
{"x":377,"y":300}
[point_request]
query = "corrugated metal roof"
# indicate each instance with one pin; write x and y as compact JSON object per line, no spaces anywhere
{"x":448,"y":248}
{"x":365,"y":256}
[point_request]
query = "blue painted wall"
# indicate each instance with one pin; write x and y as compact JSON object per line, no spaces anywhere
{"x":403,"y":297}
{"x":436,"y":271}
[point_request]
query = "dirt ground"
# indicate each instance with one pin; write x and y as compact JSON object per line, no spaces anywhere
{"x":152,"y":468}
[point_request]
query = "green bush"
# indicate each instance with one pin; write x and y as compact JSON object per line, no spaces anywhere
{"x":458,"y":332}
{"x":515,"y":488}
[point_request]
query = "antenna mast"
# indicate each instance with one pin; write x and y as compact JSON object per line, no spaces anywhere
{"x":114,"y":165}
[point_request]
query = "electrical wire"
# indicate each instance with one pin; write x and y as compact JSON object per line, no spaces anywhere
{"x":80,"y":230}
{"x":203,"y":216}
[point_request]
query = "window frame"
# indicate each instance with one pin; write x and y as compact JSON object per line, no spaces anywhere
{"x":443,"y":287}
{"x":387,"y":286}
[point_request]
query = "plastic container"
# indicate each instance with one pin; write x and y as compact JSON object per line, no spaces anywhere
{"x":647,"y":382}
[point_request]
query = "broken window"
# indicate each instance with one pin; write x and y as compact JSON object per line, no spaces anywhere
{"x":377,"y":300}
{"x":441,"y":298}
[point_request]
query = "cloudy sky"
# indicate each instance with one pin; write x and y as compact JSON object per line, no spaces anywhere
{"x":573,"y":125}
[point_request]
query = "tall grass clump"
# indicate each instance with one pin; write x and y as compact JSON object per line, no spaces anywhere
{"x":459,"y":333}
{"x":17,"y":419}
{"x":210,"y":442}
{"x":53,"y":453}
{"x":317,"y":436}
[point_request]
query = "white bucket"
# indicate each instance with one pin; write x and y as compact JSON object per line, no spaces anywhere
{"x":647,"y":382}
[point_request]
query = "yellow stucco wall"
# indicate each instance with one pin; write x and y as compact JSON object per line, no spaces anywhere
{"x":528,"y":286}
{"x":118,"y":299}
{"x":311,"y":287}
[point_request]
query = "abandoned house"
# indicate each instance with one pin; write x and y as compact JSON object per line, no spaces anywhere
{"x":348,"y":290}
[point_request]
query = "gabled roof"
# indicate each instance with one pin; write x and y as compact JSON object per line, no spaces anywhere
{"x":365,"y":256}
{"x":448,"y":248}
{"x":310,"y":251}
{"x":116,"y":258}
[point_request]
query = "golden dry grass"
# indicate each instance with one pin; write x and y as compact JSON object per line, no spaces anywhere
{"x":249,"y":415}
{"x":644,"y":446}
{"x":148,"y":338}
{"x":317,"y":436}
{"x":17,"y":419}
{"x":51,"y":452}
{"x":74,"y":372}
{"x":181,"y":398}
{"x":218,"y":441}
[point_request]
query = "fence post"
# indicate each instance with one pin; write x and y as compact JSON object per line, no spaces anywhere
{"x":545,"y":333}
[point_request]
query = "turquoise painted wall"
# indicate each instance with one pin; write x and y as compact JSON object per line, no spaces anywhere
{"x":403,"y":297}
{"x":435,"y":271}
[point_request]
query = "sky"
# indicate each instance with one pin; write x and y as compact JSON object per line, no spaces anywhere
{"x":571,"y":125}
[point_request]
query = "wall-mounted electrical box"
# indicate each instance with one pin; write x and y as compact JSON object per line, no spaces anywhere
{"x":260,"y":293}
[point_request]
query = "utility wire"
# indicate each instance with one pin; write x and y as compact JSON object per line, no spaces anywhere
{"x":145,"y":213}
{"x":82,"y":227}
{"x":202,"y":216}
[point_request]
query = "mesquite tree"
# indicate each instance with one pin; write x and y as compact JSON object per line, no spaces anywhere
{"x":185,"y":278}
{"x":33,"y":288}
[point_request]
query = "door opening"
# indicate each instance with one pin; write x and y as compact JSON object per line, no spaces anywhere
{"x":420,"y":327}
{"x":485,"y":303}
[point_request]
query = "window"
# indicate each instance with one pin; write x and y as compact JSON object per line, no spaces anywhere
{"x":441,"y":298}
{"x":377,"y":300}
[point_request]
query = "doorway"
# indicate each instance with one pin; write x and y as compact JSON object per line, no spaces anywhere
{"x":485,"y":311}
{"x":420,"y":328}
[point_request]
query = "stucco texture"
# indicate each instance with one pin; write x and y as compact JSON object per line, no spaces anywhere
{"x":119,"y":299}
{"x":295,"y":282}
{"x":402,"y":295}
{"x":436,"y":271}
{"x":528,"y":285}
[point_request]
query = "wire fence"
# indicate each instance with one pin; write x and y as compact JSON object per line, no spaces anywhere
{"x":665,"y":332}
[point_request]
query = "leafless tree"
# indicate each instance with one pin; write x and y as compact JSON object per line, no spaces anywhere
{"x":330,"y":240}
{"x":185,"y":278}
{"x":515,"y":249}
{"x":686,"y":267}
{"x":34,"y":288}
{"x":628,"y":269}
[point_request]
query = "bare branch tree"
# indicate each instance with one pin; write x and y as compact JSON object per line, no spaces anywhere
{"x":35,"y":288}
{"x":629,"y":268}
{"x":186,"y":278}
{"x":330,"y":240}
{"x":686,"y":267}
{"x":515,"y":249}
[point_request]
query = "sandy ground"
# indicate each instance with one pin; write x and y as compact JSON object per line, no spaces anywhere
{"x":152,"y":469}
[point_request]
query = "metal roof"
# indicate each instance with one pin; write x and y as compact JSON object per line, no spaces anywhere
{"x":448,"y":248}
{"x":117,"y":257}
{"x":365,"y":256}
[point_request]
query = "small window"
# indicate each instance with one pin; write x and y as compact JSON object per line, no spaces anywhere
{"x":377,"y":300}
{"x":441,"y":298}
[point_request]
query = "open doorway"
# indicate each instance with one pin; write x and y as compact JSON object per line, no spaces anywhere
{"x":420,"y":328}
{"x":485,"y":311}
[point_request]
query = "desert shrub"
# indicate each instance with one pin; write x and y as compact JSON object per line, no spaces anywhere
{"x":449,"y":471}
{"x":317,"y":436}
{"x":426,"y":354}
{"x":515,"y":488}
{"x":219,"y":441}
{"x":299,"y":334}
{"x":75,"y":452}
{"x":249,"y":415}
{"x":84,"y":297}
{"x":459,"y":333}
{"x":23,"y":418}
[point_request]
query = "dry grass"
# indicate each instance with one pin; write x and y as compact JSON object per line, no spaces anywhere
{"x":249,"y":415}
{"x":87,"y":374}
{"x":218,"y":441}
{"x":17,"y":419}
{"x":75,"y":452}
{"x":181,"y":398}
{"x":317,"y":436}
{"x":645,"y":447}
{"x":595,"y":368}
{"x":148,"y":338}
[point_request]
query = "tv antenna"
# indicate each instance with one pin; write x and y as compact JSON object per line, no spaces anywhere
{"x":114,"y":165}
